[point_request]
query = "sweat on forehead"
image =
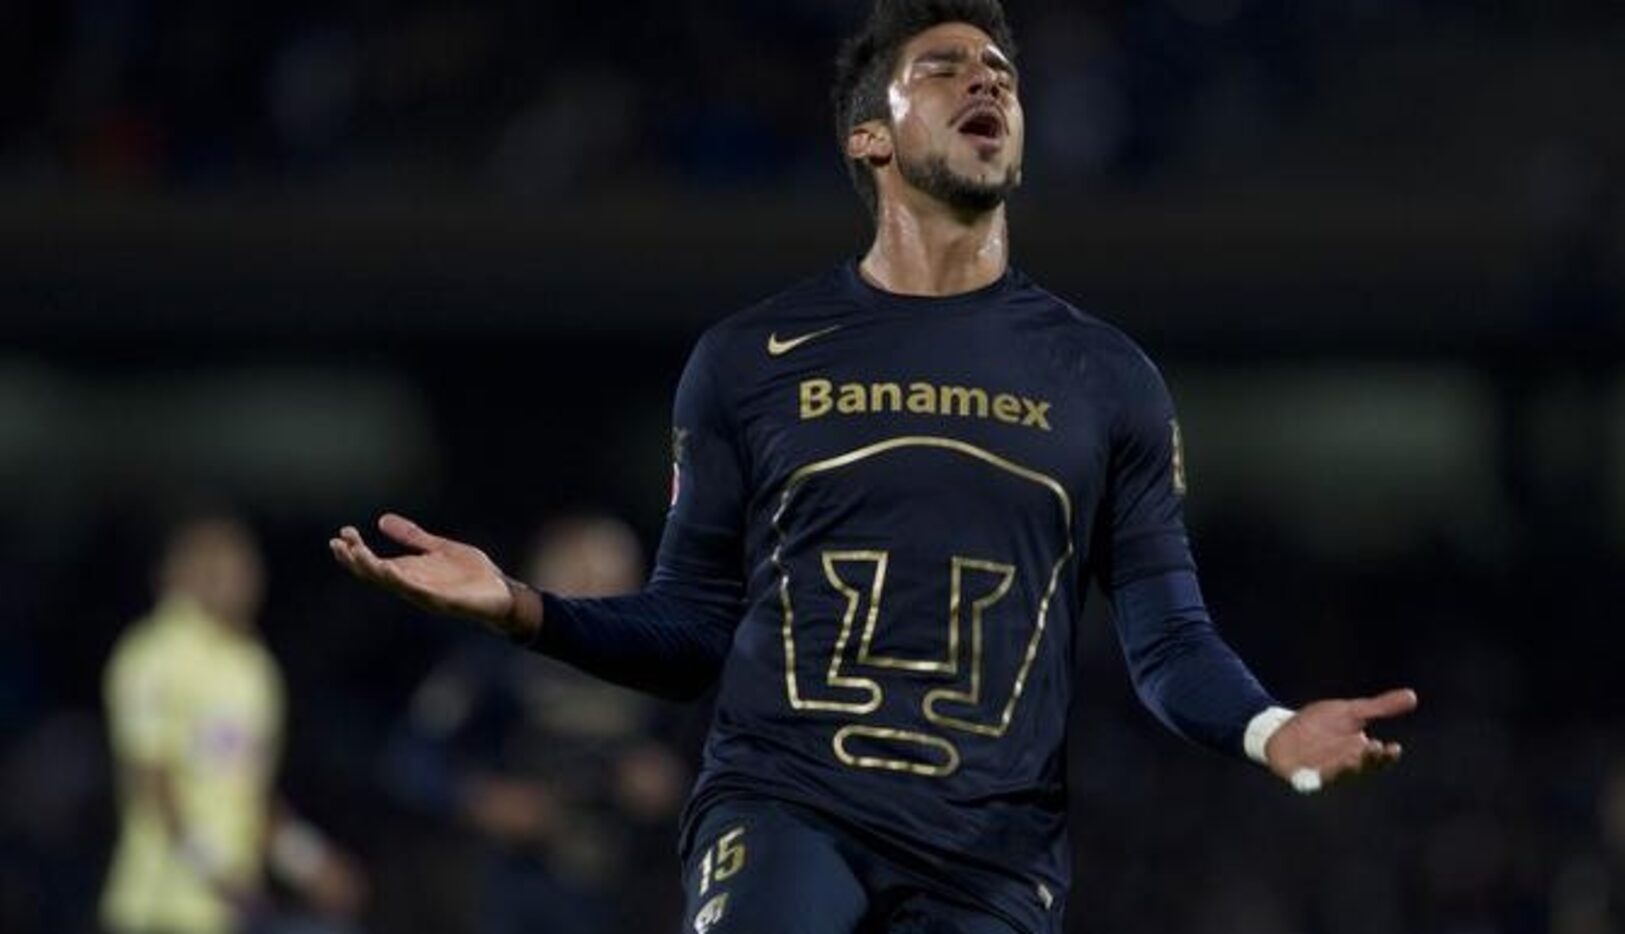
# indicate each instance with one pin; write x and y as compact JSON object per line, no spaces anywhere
{"x":868,"y":59}
{"x":954,"y":42}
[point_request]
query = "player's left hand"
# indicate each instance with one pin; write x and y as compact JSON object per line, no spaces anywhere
{"x":1326,"y":742}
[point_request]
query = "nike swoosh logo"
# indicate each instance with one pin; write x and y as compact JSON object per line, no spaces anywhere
{"x":778,"y":348}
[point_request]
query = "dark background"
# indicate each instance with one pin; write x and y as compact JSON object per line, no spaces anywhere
{"x":320,"y":259}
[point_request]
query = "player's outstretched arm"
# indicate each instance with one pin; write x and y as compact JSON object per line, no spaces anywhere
{"x":670,"y":639}
{"x":441,"y":575}
{"x":1326,"y":741}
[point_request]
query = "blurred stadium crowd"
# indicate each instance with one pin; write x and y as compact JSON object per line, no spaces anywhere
{"x":1408,"y":461}
{"x":542,"y":99}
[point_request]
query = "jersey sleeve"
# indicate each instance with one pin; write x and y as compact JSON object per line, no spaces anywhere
{"x":1182,"y":669}
{"x":672,"y":638}
{"x":701,"y":557}
{"x":145,"y":711}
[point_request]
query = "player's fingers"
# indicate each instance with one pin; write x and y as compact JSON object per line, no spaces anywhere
{"x":348,"y":547}
{"x":407,"y":532}
{"x":1382,"y":755}
{"x":351,"y":537}
{"x":341,"y":554}
{"x":352,"y":562}
{"x":363,"y":562}
{"x":1361,"y":757}
{"x":349,"y":556}
{"x":1387,"y":704}
{"x":343,"y":547}
{"x":1347,"y":755}
{"x":360,"y":561}
{"x":1374,"y":756}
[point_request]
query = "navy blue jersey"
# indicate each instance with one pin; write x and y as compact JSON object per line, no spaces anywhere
{"x":886,"y":515}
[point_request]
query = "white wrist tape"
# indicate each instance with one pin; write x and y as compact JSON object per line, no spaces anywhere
{"x":1259,"y":730}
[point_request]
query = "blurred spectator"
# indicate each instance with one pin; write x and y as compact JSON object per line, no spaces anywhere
{"x":546,"y":99}
{"x":194,"y":704}
{"x":557,"y":773}
{"x":55,"y":784}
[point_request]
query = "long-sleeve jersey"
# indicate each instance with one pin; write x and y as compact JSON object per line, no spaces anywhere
{"x":886,"y":512}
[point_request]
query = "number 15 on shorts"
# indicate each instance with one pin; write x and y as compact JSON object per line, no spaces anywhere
{"x":723,"y":859}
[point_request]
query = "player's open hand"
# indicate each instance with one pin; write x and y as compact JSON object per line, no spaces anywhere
{"x":437,"y":574}
{"x":1326,"y":741}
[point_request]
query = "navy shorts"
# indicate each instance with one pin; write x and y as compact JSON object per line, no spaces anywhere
{"x":759,"y":866}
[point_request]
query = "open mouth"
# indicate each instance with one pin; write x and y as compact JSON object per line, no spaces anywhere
{"x":984,"y":125}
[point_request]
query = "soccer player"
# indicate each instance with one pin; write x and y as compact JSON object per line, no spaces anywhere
{"x":894,"y":483}
{"x":194,"y":708}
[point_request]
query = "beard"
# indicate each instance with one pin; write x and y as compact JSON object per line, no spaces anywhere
{"x":934,"y":177}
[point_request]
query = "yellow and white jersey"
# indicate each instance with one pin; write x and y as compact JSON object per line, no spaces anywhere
{"x":204,"y":703}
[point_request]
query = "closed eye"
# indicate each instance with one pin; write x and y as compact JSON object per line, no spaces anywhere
{"x":947,"y":63}
{"x":940,"y":62}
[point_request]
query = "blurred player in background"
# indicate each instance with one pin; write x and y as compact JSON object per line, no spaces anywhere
{"x":895,"y":483}
{"x":558,"y":773}
{"x":195,"y":711}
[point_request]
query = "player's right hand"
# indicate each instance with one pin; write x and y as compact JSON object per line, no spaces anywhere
{"x":437,"y":574}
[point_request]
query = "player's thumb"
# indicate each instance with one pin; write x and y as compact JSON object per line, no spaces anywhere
{"x":1387,"y":704}
{"x":405,"y":531}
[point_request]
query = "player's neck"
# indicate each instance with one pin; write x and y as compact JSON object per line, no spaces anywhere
{"x":933,"y":251}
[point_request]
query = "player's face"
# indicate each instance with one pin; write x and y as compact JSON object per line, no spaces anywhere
{"x":956,"y":118}
{"x":219,"y":565}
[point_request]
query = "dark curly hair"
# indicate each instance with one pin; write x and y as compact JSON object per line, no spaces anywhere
{"x":866,"y":62}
